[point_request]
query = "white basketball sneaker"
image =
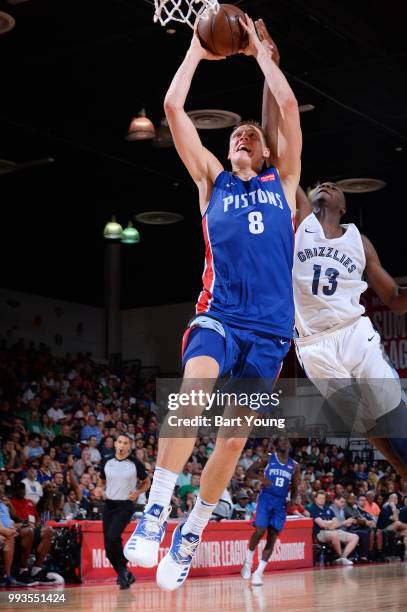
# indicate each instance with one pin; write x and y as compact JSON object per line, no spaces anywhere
{"x":142,"y":546}
{"x":246,"y":570}
{"x":257,"y":579}
{"x":174,"y":567}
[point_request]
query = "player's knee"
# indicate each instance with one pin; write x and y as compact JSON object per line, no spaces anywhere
{"x":202,"y":367}
{"x":232,"y":446}
{"x":260,"y":531}
{"x":355,"y":538}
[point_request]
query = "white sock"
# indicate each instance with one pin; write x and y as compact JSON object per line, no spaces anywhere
{"x":23,"y":569}
{"x":262,"y":567}
{"x":249,"y":556}
{"x":199,"y":517}
{"x":162,"y":488}
{"x":35,"y":570}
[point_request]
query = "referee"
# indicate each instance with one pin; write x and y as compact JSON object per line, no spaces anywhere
{"x":121,"y":474}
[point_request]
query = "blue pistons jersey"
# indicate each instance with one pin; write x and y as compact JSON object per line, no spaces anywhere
{"x":249,"y":244}
{"x":280,"y":475}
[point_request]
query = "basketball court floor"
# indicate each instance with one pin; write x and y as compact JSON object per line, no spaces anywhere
{"x":369,"y":588}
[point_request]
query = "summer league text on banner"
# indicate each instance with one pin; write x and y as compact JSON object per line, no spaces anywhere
{"x":259,"y":408}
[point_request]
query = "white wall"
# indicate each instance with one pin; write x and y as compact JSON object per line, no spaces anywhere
{"x":151,"y":334}
{"x":154,"y":334}
{"x":40,"y":319}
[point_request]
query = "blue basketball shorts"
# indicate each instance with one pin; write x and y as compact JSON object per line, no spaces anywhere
{"x":242,"y":353}
{"x":270,"y":512}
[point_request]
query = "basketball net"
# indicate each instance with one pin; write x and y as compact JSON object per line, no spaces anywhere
{"x":184,"y":11}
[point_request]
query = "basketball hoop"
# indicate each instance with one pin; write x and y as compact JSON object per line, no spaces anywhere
{"x":184,"y":11}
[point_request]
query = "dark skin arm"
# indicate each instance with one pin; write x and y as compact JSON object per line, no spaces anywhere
{"x":253,"y":473}
{"x":295,"y":482}
{"x":304,"y":207}
{"x":382,"y":283}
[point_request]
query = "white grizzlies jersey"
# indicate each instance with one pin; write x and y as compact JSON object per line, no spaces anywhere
{"x":327,"y":278}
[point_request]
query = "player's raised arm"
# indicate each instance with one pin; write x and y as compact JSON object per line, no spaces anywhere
{"x":287,"y":158}
{"x":303,"y":204}
{"x":382,"y":283}
{"x":270,"y":112}
{"x":200,"y":163}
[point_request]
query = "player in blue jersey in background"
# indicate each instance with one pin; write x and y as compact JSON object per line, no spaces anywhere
{"x":245,"y":313}
{"x":278,"y":473}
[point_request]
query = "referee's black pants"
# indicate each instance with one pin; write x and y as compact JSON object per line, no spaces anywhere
{"x":116,"y":516}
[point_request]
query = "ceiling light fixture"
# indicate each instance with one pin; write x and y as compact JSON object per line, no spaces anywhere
{"x":159,"y":217}
{"x":130,"y":235}
{"x":113,"y":230}
{"x":360,"y":185}
{"x":7,"y":22}
{"x":306,"y":108}
{"x":141,"y":128}
{"x":213,"y":119}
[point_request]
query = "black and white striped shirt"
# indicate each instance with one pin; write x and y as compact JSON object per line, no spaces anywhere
{"x":121,"y":477}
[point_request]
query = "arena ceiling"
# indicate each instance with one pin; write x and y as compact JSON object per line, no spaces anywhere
{"x":74,"y":73}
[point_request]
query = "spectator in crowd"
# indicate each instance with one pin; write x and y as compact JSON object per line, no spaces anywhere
{"x":44,"y":473}
{"x":369,"y":521}
{"x":54,"y":465}
{"x":7,"y":545}
{"x":83,"y":463}
{"x":243,"y":509}
{"x":190,"y":488}
{"x":355,"y":523}
{"x":5,"y":484}
{"x":185,"y":476}
{"x":91,"y":429}
{"x":55,"y":413}
{"x":389,"y":519}
{"x":296,"y":507}
{"x":46,"y":427}
{"x":107,"y":450}
{"x":326,"y":530}
{"x":370,"y":505}
{"x":247,"y":459}
{"x":12,"y":457}
{"x":94,"y":453}
{"x":31,"y":539}
{"x":32,"y":486}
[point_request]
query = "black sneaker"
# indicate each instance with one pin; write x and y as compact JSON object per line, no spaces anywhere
{"x":42,"y":578}
{"x":25,"y":579}
{"x":130,"y":578}
{"x":123,"y":579}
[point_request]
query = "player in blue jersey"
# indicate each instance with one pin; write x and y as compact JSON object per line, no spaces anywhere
{"x":245,"y":313}
{"x":278,"y":473}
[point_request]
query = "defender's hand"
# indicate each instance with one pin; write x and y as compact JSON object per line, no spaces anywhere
{"x":267,"y":41}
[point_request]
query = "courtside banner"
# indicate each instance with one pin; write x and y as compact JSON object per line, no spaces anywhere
{"x":221,"y":552}
{"x":391,"y":327}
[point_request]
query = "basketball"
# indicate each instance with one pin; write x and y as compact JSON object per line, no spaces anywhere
{"x":222,"y":33}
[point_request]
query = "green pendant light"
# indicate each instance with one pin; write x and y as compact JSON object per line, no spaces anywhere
{"x":130,"y":235}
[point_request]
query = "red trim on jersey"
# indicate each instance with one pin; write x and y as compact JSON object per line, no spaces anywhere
{"x":185,"y":339}
{"x":208,"y":277}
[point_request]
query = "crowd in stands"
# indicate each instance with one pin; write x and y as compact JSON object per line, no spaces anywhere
{"x":59,"y":418}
